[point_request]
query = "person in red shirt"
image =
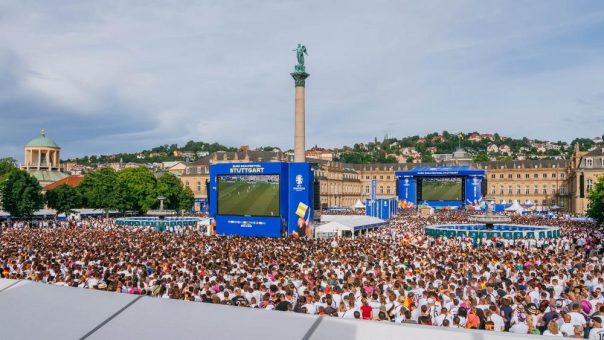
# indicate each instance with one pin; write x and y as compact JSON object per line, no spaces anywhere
{"x":366,"y":310}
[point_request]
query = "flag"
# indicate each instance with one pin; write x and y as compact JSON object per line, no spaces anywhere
{"x":301,"y":211}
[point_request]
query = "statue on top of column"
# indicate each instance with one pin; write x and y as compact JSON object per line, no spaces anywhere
{"x":300,"y":52}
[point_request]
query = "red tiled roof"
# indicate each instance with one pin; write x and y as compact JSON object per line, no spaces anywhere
{"x":72,"y":181}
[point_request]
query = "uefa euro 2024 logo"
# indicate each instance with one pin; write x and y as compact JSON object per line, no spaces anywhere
{"x":299,"y":180}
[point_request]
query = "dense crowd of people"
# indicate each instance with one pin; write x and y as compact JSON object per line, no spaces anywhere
{"x":392,"y":274}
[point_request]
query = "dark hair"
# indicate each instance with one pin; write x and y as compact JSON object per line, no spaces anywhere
{"x":357,"y":314}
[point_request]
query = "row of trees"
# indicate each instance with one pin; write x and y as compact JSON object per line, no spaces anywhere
{"x":132,"y":189}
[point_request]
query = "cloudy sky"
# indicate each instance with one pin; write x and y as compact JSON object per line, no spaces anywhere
{"x":106,"y":76}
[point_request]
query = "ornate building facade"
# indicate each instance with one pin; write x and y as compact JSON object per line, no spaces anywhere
{"x":549,"y":184}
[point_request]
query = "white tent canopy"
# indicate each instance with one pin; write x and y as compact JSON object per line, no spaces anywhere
{"x":332,"y":227}
{"x":515,"y":207}
{"x":358,"y":205}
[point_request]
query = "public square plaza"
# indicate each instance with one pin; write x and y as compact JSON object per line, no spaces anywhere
{"x":394,"y":274}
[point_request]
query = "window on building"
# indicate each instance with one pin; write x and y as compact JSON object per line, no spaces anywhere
{"x":367,"y":189}
{"x":388,"y":189}
{"x":590,"y":184}
{"x":509,"y":189}
{"x":527,"y":190}
{"x":554,"y":175}
{"x":373,"y":177}
{"x":562,"y":175}
{"x":188,"y":171}
{"x":198,"y":169}
{"x":387,"y":177}
{"x":501,"y":190}
{"x":493,"y":190}
{"x":381,"y":177}
{"x":544,"y":202}
{"x":536,"y":176}
{"x":562,"y":190}
{"x":518,"y":176}
{"x":366,"y":177}
{"x":492,"y":176}
{"x":554,"y":189}
{"x":500,"y":175}
{"x":545,"y":189}
{"x":589,"y":162}
{"x":527,"y":176}
{"x":536,"y":189}
{"x":510,"y":176}
{"x":518,"y":190}
{"x":544,"y":175}
{"x":381,"y":189}
{"x":198,"y":186}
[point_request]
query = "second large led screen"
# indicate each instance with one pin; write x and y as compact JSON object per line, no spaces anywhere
{"x":441,"y":189}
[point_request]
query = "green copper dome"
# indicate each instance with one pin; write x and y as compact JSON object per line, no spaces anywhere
{"x":42,"y":141}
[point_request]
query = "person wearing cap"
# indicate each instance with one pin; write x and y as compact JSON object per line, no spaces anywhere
{"x":596,"y":332}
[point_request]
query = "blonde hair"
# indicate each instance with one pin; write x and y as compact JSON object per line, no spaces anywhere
{"x":552,"y":327}
{"x":342,"y":306}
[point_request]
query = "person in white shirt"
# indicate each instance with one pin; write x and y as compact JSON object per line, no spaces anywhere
{"x":444,"y":315}
{"x":597,"y":332}
{"x":496,"y":319}
{"x":576,"y":318}
{"x":567,"y":328}
{"x":520,"y":327}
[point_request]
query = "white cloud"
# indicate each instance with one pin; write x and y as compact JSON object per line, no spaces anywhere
{"x":139,"y":73}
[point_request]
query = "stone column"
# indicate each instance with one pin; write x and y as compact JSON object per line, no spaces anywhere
{"x":39,"y":158}
{"x":299,"y":130}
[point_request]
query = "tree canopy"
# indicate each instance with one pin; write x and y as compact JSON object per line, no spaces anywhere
{"x":178,"y":197}
{"x":99,"y":190}
{"x":596,"y":200}
{"x":64,"y":199}
{"x":21,"y":193}
{"x":137,"y":190}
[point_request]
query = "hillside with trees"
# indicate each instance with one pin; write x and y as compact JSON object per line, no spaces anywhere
{"x":410,"y":149}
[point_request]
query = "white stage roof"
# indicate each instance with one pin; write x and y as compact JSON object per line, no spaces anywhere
{"x":33,"y":310}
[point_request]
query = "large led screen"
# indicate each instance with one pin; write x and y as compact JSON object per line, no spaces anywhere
{"x":248,"y":195}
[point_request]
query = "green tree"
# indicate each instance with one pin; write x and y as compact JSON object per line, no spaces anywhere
{"x":186,"y":199}
{"x":6,"y":167}
{"x":481,"y":157}
{"x":169,"y":186}
{"x":427,"y":158}
{"x":137,"y":189}
{"x":99,"y":190}
{"x":21,"y":194}
{"x":63,"y":199}
{"x":596,"y":200}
